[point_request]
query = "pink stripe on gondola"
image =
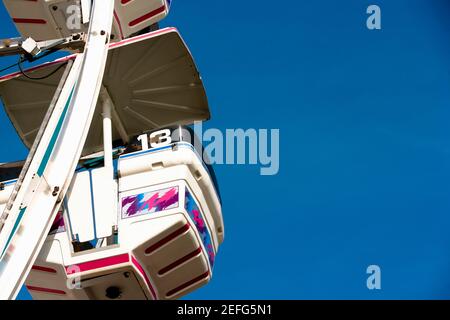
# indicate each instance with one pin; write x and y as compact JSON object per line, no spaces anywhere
{"x":147,"y":16}
{"x":71,"y":57}
{"x":97,"y":264}
{"x":43,"y":269}
{"x":144,"y":274}
{"x":47,"y":64}
{"x":46,"y":290}
{"x":116,"y":17}
{"x":29,"y":21}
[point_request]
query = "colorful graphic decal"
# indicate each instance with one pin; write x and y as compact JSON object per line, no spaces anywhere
{"x":149,"y":202}
{"x":196,"y":216}
{"x":58,"y":225}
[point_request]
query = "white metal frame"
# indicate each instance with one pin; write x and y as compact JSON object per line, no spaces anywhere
{"x":36,"y":200}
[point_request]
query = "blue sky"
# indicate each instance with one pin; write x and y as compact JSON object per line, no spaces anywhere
{"x":365,"y":144}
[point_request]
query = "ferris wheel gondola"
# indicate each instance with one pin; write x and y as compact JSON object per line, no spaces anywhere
{"x":100,"y":215}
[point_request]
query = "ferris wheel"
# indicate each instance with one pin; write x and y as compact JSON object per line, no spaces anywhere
{"x":115,"y":200}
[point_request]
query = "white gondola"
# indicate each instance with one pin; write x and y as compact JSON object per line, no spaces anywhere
{"x":155,"y":237}
{"x":151,"y":79}
{"x":148,"y":225}
{"x":53,"y":19}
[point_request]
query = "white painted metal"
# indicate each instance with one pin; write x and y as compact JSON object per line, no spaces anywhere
{"x":107,"y":129}
{"x":146,"y":166}
{"x":151,"y":79}
{"x":104,"y":193}
{"x":70,"y":143}
{"x":52,"y":19}
{"x":171,"y":189}
{"x":104,"y":187}
{"x":86,"y":8}
{"x":19,"y":249}
{"x":46,"y":183}
{"x":5,"y":194}
{"x":140,"y":231}
{"x":134,"y":16}
{"x":80,"y":208}
{"x":15,"y":46}
{"x":91,"y":203}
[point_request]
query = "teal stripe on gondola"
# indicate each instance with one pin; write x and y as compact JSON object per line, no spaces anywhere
{"x":42,"y":166}
{"x":16,"y":225}
{"x":52,"y":143}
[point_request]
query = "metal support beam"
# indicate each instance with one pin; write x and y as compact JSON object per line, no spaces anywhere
{"x":118,"y":124}
{"x":13,"y":46}
{"x":107,"y":128}
{"x":51,"y":169}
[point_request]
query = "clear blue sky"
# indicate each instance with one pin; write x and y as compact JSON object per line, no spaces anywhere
{"x":365,"y":152}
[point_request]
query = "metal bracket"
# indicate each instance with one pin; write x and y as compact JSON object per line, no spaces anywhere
{"x":14,"y":46}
